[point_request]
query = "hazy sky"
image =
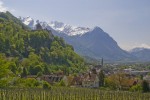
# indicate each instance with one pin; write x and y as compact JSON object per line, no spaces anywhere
{"x":127,"y":21}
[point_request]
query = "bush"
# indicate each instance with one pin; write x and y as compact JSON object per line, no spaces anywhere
{"x":26,"y":82}
{"x":62,"y":83}
{"x":136,"y":88}
{"x":145,"y":86}
{"x":31,"y":82}
{"x":46,"y":85}
{"x":3,"y":83}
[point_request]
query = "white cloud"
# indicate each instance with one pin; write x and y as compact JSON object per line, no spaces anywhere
{"x":142,"y":46}
{"x":2,"y":8}
{"x":145,"y":45}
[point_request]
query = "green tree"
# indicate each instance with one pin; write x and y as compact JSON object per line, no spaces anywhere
{"x":34,"y":51}
{"x":101,"y":77}
{"x":62,"y":83}
{"x":4,"y":66}
{"x":136,"y":88}
{"x":145,"y":86}
{"x":4,"y":71}
{"x":13,"y":67}
{"x":24,"y":73}
{"x":46,"y":85}
{"x":34,"y":70}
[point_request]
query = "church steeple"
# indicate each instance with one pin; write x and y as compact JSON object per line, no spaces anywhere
{"x":102,"y":62}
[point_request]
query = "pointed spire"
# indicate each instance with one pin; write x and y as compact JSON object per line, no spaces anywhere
{"x":102,"y":62}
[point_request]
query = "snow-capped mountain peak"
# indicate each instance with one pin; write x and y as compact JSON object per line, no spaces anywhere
{"x":27,"y":20}
{"x":68,"y":29}
{"x":57,"y":26}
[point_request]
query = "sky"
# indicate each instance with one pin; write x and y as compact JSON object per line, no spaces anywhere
{"x":127,"y":21}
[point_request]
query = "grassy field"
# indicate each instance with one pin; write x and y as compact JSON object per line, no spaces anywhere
{"x":69,"y":94}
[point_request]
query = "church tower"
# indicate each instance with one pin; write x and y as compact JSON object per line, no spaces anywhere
{"x":102,"y":62}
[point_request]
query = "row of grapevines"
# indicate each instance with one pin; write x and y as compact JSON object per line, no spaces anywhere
{"x":64,"y":93}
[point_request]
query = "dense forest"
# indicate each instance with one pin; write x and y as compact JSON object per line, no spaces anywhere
{"x":26,"y":52}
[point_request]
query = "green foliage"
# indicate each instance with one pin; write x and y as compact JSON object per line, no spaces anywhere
{"x":46,"y":85}
{"x":136,"y":88}
{"x":62,"y":83}
{"x":110,"y":84}
{"x":35,"y":47}
{"x":4,"y":67}
{"x":24,"y":73}
{"x":39,"y":74}
{"x":31,"y":82}
{"x":3,"y":83}
{"x":101,"y":78}
{"x":145,"y":86}
{"x":9,"y":17}
{"x":13,"y":67}
{"x":26,"y":83}
{"x":118,"y":81}
{"x":33,"y":52}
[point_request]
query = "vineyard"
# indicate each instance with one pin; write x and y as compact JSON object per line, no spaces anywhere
{"x":69,"y":94}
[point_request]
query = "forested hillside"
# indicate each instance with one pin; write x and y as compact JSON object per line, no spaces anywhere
{"x":25,"y":52}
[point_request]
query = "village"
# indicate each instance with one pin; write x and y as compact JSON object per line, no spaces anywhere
{"x":100,"y":76}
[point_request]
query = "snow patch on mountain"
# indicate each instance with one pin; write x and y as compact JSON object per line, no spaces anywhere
{"x":58,"y":26}
{"x":68,"y":29}
{"x":28,"y":21}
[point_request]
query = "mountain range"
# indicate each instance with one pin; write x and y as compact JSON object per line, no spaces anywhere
{"x":89,"y":42}
{"x":143,"y":54}
{"x":35,"y":50}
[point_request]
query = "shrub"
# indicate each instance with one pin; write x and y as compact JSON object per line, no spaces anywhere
{"x":135,"y":88}
{"x":145,"y":86}
{"x":46,"y":85}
